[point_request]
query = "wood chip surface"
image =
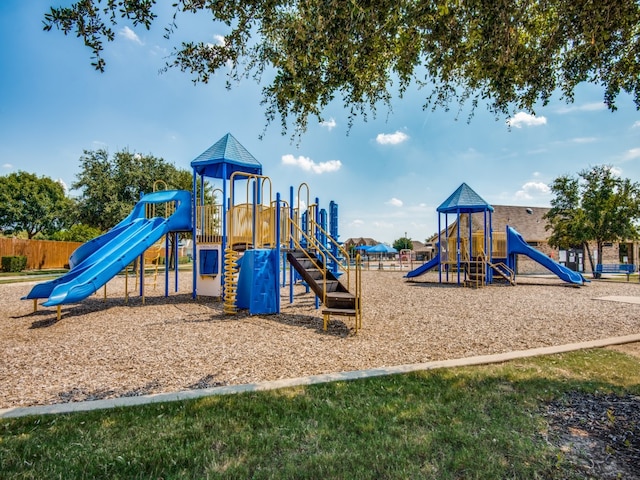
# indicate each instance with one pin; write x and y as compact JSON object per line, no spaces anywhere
{"x":105,"y":348}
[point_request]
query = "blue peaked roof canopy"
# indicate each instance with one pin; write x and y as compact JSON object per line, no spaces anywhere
{"x":381,"y":248}
{"x":224,"y":158}
{"x":464,"y":200}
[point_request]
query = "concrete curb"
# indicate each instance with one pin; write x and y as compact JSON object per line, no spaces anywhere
{"x":311,"y":380}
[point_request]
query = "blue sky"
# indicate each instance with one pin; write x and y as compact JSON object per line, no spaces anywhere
{"x":388,"y":174}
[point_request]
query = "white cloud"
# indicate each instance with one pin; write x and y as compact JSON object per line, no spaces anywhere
{"x":305,"y":163}
{"x":8,"y":166}
{"x":521,"y":119}
{"x":531,"y":190}
{"x":159,"y":51}
{"x":470,"y":154}
{"x":395,"y":202}
{"x":218,"y":41}
{"x":129,"y":34}
{"x":329,"y":124}
{"x":64,"y":185}
{"x":392,"y":138}
{"x":584,"y":139}
{"x":631,"y":154}
{"x":587,"y":107}
{"x":636,"y":124}
{"x":616,"y":171}
{"x":380,"y":224}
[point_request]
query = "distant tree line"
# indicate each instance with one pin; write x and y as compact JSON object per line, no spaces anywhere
{"x":596,"y":206}
{"x":107,"y":188}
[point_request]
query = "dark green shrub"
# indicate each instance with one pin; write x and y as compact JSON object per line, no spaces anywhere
{"x":15,"y":263}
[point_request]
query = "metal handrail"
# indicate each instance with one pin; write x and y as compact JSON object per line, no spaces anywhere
{"x":313,"y":259}
{"x":333,"y":242}
{"x":502,"y":267}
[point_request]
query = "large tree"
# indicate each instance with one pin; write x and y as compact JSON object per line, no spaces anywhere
{"x":111,"y":186}
{"x":510,"y":54}
{"x":32,"y":204}
{"x":403,"y":243}
{"x":596,"y":206}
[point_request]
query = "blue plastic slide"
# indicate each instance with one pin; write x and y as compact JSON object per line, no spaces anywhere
{"x":517,"y":245}
{"x":434,"y":262}
{"x":109,"y":254}
{"x":90,"y":247}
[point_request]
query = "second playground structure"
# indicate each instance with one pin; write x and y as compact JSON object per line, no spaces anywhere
{"x":477,"y":257}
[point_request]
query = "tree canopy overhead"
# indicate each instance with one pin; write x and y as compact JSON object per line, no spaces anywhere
{"x":511,"y":54}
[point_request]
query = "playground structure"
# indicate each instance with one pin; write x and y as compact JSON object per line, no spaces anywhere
{"x":477,"y":258}
{"x":243,"y":239}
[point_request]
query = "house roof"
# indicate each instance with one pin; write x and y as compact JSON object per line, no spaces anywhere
{"x":418,"y":246}
{"x":528,"y":221}
{"x":360,"y":241}
{"x":224,"y":158}
{"x":464,"y":200}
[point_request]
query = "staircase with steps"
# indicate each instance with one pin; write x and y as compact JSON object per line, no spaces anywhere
{"x":475,"y":273}
{"x":335,"y":297}
{"x":501,"y":269}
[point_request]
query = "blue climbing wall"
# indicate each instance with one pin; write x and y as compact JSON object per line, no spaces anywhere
{"x":258,"y":288}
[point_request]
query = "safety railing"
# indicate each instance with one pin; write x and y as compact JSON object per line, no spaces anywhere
{"x":164,"y":210}
{"x":504,"y":271}
{"x":475,"y":269}
{"x":209,"y":224}
{"x":312,"y":244}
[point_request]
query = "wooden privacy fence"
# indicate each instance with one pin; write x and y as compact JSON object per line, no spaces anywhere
{"x":41,"y":254}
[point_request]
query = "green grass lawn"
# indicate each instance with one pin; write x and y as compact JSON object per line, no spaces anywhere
{"x":483,"y":422}
{"x":30,"y":275}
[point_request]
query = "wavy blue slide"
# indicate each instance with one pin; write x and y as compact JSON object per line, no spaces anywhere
{"x":517,"y":245}
{"x":99,"y":260}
